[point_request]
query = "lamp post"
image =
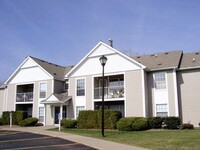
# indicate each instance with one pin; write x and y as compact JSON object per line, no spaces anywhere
{"x":102,"y":60}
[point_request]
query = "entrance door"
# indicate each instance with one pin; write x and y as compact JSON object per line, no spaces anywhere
{"x":56,"y":112}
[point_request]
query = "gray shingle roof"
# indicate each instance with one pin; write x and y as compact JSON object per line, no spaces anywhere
{"x":190,"y":60}
{"x":158,"y":61}
{"x":56,"y":71}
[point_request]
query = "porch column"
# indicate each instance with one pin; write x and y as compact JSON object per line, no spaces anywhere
{"x":45,"y":114}
{"x":61,"y":111}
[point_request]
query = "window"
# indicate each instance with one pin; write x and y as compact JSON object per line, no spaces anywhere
{"x":66,"y":85}
{"x":160,"y":81}
{"x":43,"y":90}
{"x":80,"y":87}
{"x":41,"y":114}
{"x":161,"y":110}
{"x":78,"y":109}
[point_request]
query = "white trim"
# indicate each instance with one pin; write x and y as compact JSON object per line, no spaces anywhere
{"x":18,"y":68}
{"x":154,"y":91}
{"x":101,"y":43}
{"x":143,"y":93}
{"x":39,"y":90}
{"x":53,"y":82}
{"x":175,"y":93}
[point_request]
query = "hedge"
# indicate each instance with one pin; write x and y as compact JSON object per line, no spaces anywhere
{"x":132,"y":124}
{"x":171,"y":122}
{"x":1,"y":121}
{"x":68,"y":123}
{"x":125,"y":124}
{"x":28,"y":122}
{"x":92,"y":119}
{"x":17,"y":116}
{"x":140,"y":124}
{"x":155,"y":122}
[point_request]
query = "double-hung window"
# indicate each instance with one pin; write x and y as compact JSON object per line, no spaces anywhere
{"x":160,"y":80}
{"x":43,"y":90}
{"x":161,"y":110}
{"x":80,"y":87}
{"x":41,"y":114}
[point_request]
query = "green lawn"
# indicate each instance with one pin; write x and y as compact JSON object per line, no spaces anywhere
{"x":152,"y":139}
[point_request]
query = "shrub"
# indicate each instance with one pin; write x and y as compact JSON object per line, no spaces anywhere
{"x":28,"y":122}
{"x":155,"y":122}
{"x":171,"y":122}
{"x":139,"y":124}
{"x":186,"y":126}
{"x":92,"y":119}
{"x":1,"y":121}
{"x":125,"y":124}
{"x":17,"y":116}
{"x":68,"y":123}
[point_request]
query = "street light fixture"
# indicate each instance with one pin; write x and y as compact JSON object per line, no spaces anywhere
{"x":103,"y":60}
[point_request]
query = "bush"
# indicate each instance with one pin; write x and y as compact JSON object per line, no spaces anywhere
{"x":186,"y":126}
{"x":125,"y":124}
{"x":1,"y":121}
{"x":68,"y":123}
{"x":28,"y":122}
{"x":140,"y":124}
{"x":171,"y":122}
{"x":155,"y":122}
{"x":17,"y":116}
{"x":92,"y":119}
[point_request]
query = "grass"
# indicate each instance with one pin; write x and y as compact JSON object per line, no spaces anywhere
{"x":151,"y":139}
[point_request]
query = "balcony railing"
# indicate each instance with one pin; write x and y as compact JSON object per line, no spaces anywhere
{"x":24,"y":97}
{"x":110,"y":92}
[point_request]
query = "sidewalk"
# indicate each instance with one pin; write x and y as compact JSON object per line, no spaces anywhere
{"x":92,"y":142}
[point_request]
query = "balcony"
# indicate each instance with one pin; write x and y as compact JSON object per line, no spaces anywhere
{"x":114,"y":87}
{"x":24,"y":97}
{"x":110,"y":92}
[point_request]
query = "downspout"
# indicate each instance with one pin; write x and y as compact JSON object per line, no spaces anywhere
{"x":175,"y":92}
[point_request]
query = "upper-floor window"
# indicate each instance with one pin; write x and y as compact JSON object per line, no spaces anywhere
{"x":160,"y":80}
{"x":66,"y":86}
{"x":43,"y":90}
{"x":161,"y":110}
{"x":80,"y":87}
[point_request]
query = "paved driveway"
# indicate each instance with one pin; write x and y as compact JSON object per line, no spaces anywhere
{"x":16,"y":140}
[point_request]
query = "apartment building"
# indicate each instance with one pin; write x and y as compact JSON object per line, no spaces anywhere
{"x":161,"y":84}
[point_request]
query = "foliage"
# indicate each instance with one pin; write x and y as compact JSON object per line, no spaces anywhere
{"x":68,"y":123}
{"x":1,"y":121}
{"x":28,"y":122}
{"x":92,"y":119}
{"x":125,"y":124}
{"x":155,"y":122}
{"x":140,"y":124}
{"x":186,"y":126}
{"x":17,"y":116}
{"x":171,"y":122}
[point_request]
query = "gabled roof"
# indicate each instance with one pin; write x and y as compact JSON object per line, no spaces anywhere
{"x":159,"y":61}
{"x":113,"y":49}
{"x":55,"y":70}
{"x":55,"y":98}
{"x":190,"y":60}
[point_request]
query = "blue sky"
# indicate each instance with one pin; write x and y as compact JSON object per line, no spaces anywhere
{"x":64,"y":31}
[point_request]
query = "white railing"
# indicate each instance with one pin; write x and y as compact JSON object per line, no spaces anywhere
{"x":24,"y":97}
{"x":109,"y":92}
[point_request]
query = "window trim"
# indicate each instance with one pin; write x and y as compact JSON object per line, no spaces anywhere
{"x":154,"y":80}
{"x":40,"y":89}
{"x":40,"y":113}
{"x":167,"y":110}
{"x":81,"y":89}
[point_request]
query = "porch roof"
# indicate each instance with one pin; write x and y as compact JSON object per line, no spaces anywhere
{"x":55,"y":98}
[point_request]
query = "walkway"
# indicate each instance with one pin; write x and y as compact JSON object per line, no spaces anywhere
{"x":92,"y":142}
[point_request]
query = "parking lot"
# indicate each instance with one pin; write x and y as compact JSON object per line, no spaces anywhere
{"x":16,"y":140}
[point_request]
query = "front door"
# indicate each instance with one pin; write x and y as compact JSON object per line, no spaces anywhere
{"x":56,"y":112}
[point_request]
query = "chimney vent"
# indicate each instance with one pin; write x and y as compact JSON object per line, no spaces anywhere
{"x":111,"y":42}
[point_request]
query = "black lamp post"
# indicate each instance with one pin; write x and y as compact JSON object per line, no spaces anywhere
{"x":102,"y":60}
